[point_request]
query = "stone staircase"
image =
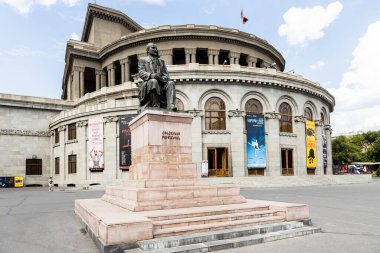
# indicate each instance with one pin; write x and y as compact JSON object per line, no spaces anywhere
{"x":210,"y":241}
{"x":208,"y":219}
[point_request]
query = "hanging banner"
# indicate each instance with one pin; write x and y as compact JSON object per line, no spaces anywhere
{"x":95,"y":144}
{"x":324,"y":146}
{"x":311,"y":147}
{"x":125,"y":142}
{"x":256,"y":151}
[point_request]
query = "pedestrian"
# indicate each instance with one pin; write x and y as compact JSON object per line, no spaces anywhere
{"x":51,"y":185}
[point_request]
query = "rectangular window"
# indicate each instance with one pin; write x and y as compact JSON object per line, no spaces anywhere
{"x":33,"y":167}
{"x":287,"y":162}
{"x":72,"y":133}
{"x":56,"y":165}
{"x":56,"y":136}
{"x":286,"y":124}
{"x":72,"y":164}
{"x":215,"y":120}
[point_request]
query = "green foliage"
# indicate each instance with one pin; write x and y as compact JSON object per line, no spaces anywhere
{"x":363,"y":147}
{"x":378,"y":172}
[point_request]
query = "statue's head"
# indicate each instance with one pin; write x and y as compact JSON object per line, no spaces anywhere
{"x":151,"y":49}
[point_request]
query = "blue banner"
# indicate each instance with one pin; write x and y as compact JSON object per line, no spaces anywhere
{"x":256,"y":151}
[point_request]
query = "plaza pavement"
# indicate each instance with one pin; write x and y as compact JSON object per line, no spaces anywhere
{"x":34,"y":220}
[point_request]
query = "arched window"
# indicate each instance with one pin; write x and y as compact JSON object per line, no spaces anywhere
{"x":253,"y":106}
{"x":308,"y":114}
{"x":323,"y":118}
{"x":215,"y":114}
{"x":179,"y":104}
{"x":286,"y":122}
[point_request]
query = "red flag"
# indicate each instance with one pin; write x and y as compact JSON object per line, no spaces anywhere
{"x":243,"y":18}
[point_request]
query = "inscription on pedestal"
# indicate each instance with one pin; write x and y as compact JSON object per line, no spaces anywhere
{"x":171,"y":138}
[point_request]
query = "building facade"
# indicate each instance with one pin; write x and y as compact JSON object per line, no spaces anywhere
{"x":227,"y":79}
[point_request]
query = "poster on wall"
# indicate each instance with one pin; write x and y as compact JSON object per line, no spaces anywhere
{"x":125,"y":141}
{"x":311,"y":147}
{"x":95,"y":144}
{"x":256,"y":151}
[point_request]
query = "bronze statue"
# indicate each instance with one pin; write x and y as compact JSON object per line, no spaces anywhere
{"x":156,"y":90}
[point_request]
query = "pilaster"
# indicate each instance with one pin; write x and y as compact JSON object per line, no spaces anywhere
{"x":196,"y":138}
{"x":234,"y":57}
{"x":98,"y":74}
{"x":111,"y":153}
{"x":78,"y":81}
{"x":251,"y":61}
{"x":237,"y":142}
{"x":125,"y":70}
{"x":273,"y":144}
{"x":300,"y":129}
{"x":82,"y":168}
{"x":213,"y":55}
{"x":329,"y":169}
{"x":319,"y":127}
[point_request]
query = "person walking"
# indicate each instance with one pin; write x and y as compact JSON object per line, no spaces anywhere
{"x":51,"y":185}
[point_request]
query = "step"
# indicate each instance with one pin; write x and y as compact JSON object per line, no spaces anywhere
{"x":181,"y":240}
{"x":215,"y":226}
{"x":205,"y":211}
{"x":212,"y":218}
{"x":222,"y":244}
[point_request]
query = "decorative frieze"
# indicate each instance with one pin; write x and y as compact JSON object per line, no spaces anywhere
{"x":236,"y":113}
{"x":190,"y":50}
{"x":216,"y":132}
{"x":82,"y":123}
{"x":166,"y":52}
{"x":110,"y":119}
{"x":213,"y":51}
{"x":22,"y":132}
{"x":272,"y":115}
{"x":61,"y":128}
{"x":300,"y":119}
{"x":195,"y":113}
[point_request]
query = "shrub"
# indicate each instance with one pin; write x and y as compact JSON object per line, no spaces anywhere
{"x":378,"y":172}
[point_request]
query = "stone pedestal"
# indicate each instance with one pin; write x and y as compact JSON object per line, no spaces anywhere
{"x":162,"y":175}
{"x":164,"y":195}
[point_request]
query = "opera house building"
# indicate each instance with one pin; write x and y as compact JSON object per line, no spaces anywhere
{"x":250,"y":118}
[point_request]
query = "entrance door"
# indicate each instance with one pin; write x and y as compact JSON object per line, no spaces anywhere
{"x":217,"y":162}
{"x":287,"y":162}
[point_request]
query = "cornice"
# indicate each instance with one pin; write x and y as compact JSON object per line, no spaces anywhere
{"x":236,"y":113}
{"x":196,"y":113}
{"x":23,"y":132}
{"x":272,"y":115}
{"x":300,"y":119}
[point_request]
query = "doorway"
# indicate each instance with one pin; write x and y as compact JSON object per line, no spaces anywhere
{"x":217,"y":162}
{"x":287,"y":162}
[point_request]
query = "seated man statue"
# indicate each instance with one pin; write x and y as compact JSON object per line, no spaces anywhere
{"x":156,"y":89}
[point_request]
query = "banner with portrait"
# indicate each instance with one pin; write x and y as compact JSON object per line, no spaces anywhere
{"x":125,"y":153}
{"x":256,"y":150}
{"x":311,"y":147}
{"x":95,"y":144}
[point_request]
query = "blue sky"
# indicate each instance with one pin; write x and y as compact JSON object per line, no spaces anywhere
{"x":334,"y":43}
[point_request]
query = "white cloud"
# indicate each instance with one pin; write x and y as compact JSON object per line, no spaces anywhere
{"x":303,"y":25}
{"x":156,"y":2}
{"x":358,"y":95}
{"x":74,"y":36}
{"x":318,"y":65}
{"x":25,"y":6}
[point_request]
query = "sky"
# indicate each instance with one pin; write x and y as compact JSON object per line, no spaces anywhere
{"x":333,"y":43}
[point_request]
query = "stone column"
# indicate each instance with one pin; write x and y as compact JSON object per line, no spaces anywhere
{"x":329,"y":169}
{"x":81,"y":82}
{"x":111,"y":75}
{"x":196,"y":138}
{"x":190,"y":55}
{"x":251,"y":61}
{"x":237,"y":142}
{"x":234,"y":58}
{"x":77,"y":81}
{"x":69,"y":87}
{"x":103,"y":82}
{"x":273,"y":144}
{"x":98,"y":74}
{"x":82,"y":166}
{"x":213,"y":56}
{"x":125,"y":70}
{"x":110,"y":155}
{"x":300,"y":129}
{"x":167,"y":56}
